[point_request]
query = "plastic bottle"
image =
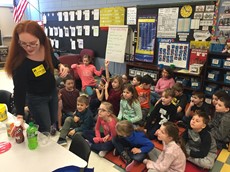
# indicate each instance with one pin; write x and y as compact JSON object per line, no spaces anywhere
{"x":18,"y":133}
{"x":32,"y":136}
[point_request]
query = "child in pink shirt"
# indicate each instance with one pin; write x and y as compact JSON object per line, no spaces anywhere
{"x":86,"y":72}
{"x":166,"y":81}
{"x":102,"y":142}
{"x":172,"y":158}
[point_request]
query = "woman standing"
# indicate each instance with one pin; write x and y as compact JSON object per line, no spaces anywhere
{"x":31,"y":65}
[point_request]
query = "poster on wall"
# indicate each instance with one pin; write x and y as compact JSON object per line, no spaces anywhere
{"x":171,"y":53}
{"x":146,"y":39}
{"x":167,"y":22}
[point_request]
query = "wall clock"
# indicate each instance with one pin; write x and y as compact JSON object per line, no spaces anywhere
{"x":186,"y":11}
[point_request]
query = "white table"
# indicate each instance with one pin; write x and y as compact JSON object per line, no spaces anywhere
{"x":43,"y":159}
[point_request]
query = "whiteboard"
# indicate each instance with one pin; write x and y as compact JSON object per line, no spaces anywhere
{"x":116,"y":43}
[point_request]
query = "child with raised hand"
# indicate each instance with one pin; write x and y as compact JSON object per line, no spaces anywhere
{"x":113,"y":94}
{"x":136,"y":80}
{"x":130,"y":108}
{"x":86,"y":72}
{"x":131,"y":145}
{"x":163,"y":111}
{"x":101,"y":142}
{"x":98,"y":96}
{"x":67,"y":100}
{"x":166,"y":81}
{"x":220,"y":124}
{"x":82,"y":120}
{"x":173,"y":156}
{"x":200,"y":145}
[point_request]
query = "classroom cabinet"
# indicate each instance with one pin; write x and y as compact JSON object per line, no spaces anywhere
{"x":217,"y":73}
{"x":190,"y":81}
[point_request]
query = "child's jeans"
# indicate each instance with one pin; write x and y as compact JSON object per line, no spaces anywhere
{"x":97,"y":147}
{"x":123,"y":145}
{"x":68,"y":124}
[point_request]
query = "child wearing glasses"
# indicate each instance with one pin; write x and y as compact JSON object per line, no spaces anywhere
{"x":101,"y":142}
{"x":82,"y":120}
{"x":86,"y":72}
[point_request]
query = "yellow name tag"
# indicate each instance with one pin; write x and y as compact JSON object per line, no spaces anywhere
{"x":39,"y":70}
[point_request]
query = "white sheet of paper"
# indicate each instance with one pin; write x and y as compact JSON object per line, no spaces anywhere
{"x":73,"y":44}
{"x":52,"y":42}
{"x":131,"y":16}
{"x":56,"y":43}
{"x":79,"y":30}
{"x":87,"y":15}
{"x":51,"y":31}
{"x":55,"y":31}
{"x":66,"y":29}
{"x":44,"y":19}
{"x":60,"y":32}
{"x":66,"y":16}
{"x":87,"y":30}
{"x":80,"y":43}
{"x":95,"y":30}
{"x":73,"y":31}
{"x":59,"y":14}
{"x":79,"y":14}
{"x":72,"y":15}
{"x":95,"y":14}
{"x":195,"y":23}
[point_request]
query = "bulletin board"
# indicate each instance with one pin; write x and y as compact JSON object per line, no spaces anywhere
{"x":96,"y":43}
{"x":176,"y":26}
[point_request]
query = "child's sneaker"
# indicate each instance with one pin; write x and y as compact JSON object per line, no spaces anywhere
{"x":102,"y":153}
{"x":115,"y":152}
{"x":62,"y":141}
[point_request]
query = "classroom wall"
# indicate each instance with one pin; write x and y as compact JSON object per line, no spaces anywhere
{"x":56,"y":5}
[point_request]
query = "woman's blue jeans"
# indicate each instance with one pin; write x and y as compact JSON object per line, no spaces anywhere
{"x":44,"y":109}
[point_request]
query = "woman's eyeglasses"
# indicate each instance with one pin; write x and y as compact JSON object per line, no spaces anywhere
{"x":32,"y":44}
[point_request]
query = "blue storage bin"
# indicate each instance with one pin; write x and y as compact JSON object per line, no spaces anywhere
{"x":217,"y":62}
{"x":210,"y":89}
{"x":226,"y":64}
{"x":195,"y":85}
{"x":214,"y":47}
{"x":213,"y":75}
{"x":227,"y":78}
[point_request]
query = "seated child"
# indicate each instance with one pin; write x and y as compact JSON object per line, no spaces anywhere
{"x":166,"y":81}
{"x":98,"y":96}
{"x":143,"y":91}
{"x":67,"y":100}
{"x":220,"y":124}
{"x":125,"y":79}
{"x":101,"y":142}
{"x":172,"y":158}
{"x":81,"y":121}
{"x":130,"y":144}
{"x":197,"y":103}
{"x":130,"y":108}
{"x":215,"y":97}
{"x":136,"y":80}
{"x":180,"y":100}
{"x":86,"y":72}
{"x":164,"y":111}
{"x":200,"y":145}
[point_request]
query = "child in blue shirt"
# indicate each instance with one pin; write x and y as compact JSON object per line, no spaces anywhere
{"x":130,"y":144}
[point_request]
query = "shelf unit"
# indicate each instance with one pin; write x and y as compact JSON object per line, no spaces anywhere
{"x":215,"y":73}
{"x":151,"y":68}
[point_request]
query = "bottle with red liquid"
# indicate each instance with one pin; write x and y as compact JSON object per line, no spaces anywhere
{"x":19,"y":137}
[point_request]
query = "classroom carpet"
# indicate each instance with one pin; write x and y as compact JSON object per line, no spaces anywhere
{"x":222,"y":163}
